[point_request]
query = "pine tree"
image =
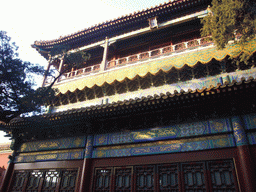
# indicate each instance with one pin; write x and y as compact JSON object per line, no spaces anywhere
{"x":230,"y":20}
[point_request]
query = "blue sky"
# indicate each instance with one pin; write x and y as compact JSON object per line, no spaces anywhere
{"x":28,"y":20}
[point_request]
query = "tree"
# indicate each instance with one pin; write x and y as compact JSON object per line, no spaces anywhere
{"x":17,"y":92}
{"x":73,"y":59}
{"x":229,"y":19}
{"x":17,"y":86}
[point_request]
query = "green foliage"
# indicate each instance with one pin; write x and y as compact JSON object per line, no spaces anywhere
{"x":17,"y":93}
{"x":75,"y":59}
{"x":229,"y":19}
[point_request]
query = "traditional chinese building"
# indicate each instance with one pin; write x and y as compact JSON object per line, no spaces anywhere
{"x":155,"y":108}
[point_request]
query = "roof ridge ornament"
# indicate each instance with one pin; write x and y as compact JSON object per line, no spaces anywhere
{"x":153,"y":22}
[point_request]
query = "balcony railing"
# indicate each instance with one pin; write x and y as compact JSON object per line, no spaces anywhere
{"x":163,"y":51}
{"x":160,"y":52}
{"x":75,"y":73}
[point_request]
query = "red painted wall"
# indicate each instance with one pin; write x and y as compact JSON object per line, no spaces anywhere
{"x":4,"y":159}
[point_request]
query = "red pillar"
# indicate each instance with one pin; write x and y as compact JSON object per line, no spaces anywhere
{"x":246,"y":166}
{"x":86,"y":172}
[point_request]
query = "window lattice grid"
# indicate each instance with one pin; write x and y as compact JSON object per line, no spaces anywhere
{"x":19,"y":181}
{"x":168,"y":178}
{"x":34,"y":181}
{"x":123,"y":179}
{"x":194,"y":177}
{"x":145,"y":178}
{"x":103,"y":180}
{"x":68,"y":181}
{"x":222,"y":176}
{"x":50,"y":181}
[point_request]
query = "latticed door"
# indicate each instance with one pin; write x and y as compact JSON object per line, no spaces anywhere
{"x":102,"y":180}
{"x":60,"y":180}
{"x":51,"y":181}
{"x":145,"y":180}
{"x":34,"y":181}
{"x":193,"y":177}
{"x":123,"y":179}
{"x":204,"y":176}
{"x":68,"y":181}
{"x":168,"y":177}
{"x":19,"y":180}
{"x":222,"y":176}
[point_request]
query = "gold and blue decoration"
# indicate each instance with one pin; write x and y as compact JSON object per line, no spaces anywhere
{"x":50,"y":156}
{"x":220,"y":125}
{"x":252,"y":138}
{"x":239,"y":132}
{"x":250,"y":121}
{"x":169,"y":132}
{"x":89,"y":147}
{"x":166,"y":146}
{"x":53,"y":144}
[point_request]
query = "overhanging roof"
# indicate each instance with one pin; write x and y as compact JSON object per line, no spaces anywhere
{"x":171,"y":8}
{"x":177,"y":99}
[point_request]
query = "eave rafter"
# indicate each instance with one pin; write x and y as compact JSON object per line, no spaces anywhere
{"x":163,"y":104}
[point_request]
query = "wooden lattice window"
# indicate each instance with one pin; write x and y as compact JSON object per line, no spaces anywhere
{"x":216,"y":176}
{"x":168,"y":178}
{"x":222,"y":175}
{"x":123,"y":179}
{"x":194,"y":177}
{"x":50,"y":180}
{"x":102,"y":180}
{"x":34,"y":181}
{"x":60,"y":180}
{"x":145,"y":178}
{"x":19,"y":180}
{"x":68,"y":181}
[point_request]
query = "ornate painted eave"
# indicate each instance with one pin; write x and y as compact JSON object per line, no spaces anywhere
{"x":138,"y":105}
{"x":154,"y":66}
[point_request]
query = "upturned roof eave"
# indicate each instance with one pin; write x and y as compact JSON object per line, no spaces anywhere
{"x":171,"y":6}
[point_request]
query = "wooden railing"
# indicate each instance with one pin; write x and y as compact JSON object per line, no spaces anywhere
{"x":75,"y":73}
{"x":163,"y":51}
{"x":160,"y":52}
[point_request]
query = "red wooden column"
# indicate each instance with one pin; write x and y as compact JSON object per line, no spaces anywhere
{"x":246,"y":165}
{"x":86,"y":172}
{"x":7,"y":177}
{"x":105,"y":54}
{"x":47,"y":71}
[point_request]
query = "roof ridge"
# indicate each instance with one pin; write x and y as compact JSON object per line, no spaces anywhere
{"x":108,"y":22}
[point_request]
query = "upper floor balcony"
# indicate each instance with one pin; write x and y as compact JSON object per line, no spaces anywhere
{"x":138,"y":58}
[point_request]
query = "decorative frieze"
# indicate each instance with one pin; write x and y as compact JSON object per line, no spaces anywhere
{"x":167,"y":146}
{"x":50,"y":156}
{"x":170,"y":132}
{"x":45,"y":145}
